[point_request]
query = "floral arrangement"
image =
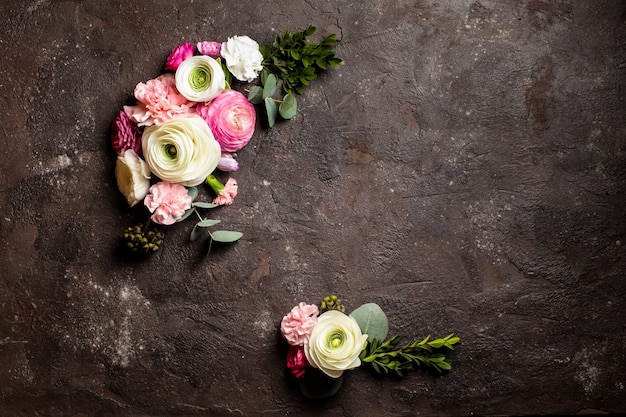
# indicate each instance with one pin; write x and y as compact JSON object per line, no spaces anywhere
{"x":188,"y":123}
{"x":324,"y":342}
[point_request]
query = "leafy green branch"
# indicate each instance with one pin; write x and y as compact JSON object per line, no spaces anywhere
{"x":387,"y":357}
{"x":264,"y":94}
{"x":293,"y":62}
{"x":203,"y":224}
{"x":296,"y":61}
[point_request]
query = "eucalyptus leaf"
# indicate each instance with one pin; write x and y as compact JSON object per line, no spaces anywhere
{"x":226,"y":236}
{"x":255,"y":95}
{"x":289,"y":107}
{"x":269,"y":88}
{"x":270,"y":107}
{"x":207,"y":223}
{"x":192,"y":192}
{"x":202,"y":204}
{"x":372,"y":320}
{"x":196,"y":232}
{"x":188,"y":213}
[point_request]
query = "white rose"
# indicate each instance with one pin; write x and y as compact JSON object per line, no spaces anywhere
{"x":243,"y":58}
{"x":181,"y":151}
{"x":133,"y":177}
{"x":200,"y":78}
{"x":335,"y":343}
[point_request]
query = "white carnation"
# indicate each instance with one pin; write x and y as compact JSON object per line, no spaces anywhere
{"x":243,"y":58}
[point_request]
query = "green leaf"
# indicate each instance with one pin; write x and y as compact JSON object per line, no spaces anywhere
{"x":226,"y":236}
{"x":255,"y":95}
{"x":207,"y":223}
{"x":270,"y":107}
{"x":265,"y":50}
{"x":192,"y":192}
{"x":310,"y":30}
{"x":202,"y":204}
{"x":289,"y":107}
{"x":188,"y":213}
{"x":269,"y":88}
{"x":196,"y":232}
{"x":372,"y":320}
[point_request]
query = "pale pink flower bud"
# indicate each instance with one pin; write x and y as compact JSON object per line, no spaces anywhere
{"x":227,"y":163}
{"x":211,"y":49}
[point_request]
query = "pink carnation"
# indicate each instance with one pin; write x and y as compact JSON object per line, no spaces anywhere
{"x":297,"y":325}
{"x":159,"y":100}
{"x":231,"y":118}
{"x":125,"y":134}
{"x":227,"y":194}
{"x":296,"y":361}
{"x":167,"y":202}
{"x":211,"y":49}
{"x":178,"y":55}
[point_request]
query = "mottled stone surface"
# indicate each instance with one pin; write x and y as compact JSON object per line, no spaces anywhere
{"x":464,"y":169}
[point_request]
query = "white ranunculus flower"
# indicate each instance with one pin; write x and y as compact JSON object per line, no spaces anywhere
{"x":335,"y":343}
{"x":133,"y":177}
{"x":200,"y":78}
{"x":181,"y":151}
{"x":243,"y":58}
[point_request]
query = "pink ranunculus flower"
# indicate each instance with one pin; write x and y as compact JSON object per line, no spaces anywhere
{"x":296,"y":361}
{"x":178,"y":55}
{"x":211,"y":49}
{"x":297,"y":325}
{"x":227,"y":163}
{"x":159,"y":101}
{"x":167,"y":202}
{"x":125,"y":134}
{"x":231,"y":118}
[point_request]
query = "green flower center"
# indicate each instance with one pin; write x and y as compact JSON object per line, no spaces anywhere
{"x":335,"y":340}
{"x":200,"y":78}
{"x":170,"y":151}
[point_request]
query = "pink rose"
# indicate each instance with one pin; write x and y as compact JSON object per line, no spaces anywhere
{"x":167,"y":201}
{"x":227,"y":163}
{"x":211,"y":49}
{"x":125,"y":134}
{"x":231,"y":118}
{"x":297,"y":325}
{"x":178,"y":55}
{"x":296,"y":361}
{"x":159,"y":100}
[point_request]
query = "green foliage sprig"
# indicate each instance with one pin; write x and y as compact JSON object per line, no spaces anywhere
{"x":296,"y":61}
{"x":387,"y":357}
{"x":293,"y":61}
{"x":222,"y":236}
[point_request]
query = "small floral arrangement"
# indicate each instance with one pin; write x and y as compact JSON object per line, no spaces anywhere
{"x":188,"y":123}
{"x":324,"y":342}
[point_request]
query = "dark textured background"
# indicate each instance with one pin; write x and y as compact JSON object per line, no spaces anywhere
{"x":464,"y":169}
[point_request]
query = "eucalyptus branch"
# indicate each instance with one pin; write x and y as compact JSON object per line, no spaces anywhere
{"x":387,"y":357}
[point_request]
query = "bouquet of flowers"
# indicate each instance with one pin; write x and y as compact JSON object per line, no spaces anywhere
{"x":324,"y":342}
{"x":188,"y":123}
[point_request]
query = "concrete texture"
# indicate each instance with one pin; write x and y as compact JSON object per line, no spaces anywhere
{"x":464,"y":169}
